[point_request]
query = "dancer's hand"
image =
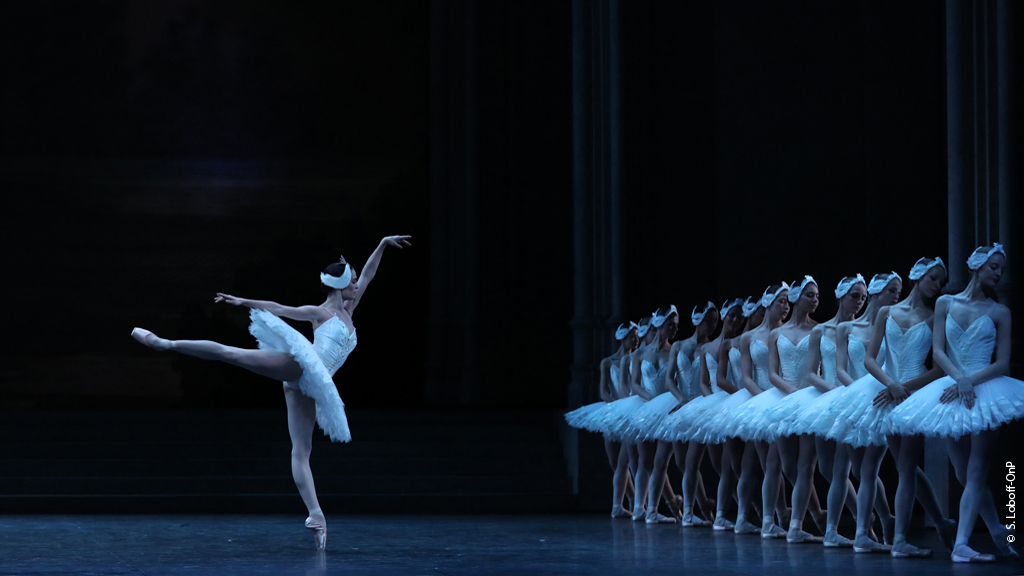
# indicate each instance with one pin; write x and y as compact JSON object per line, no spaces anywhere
{"x":883,"y":399}
{"x":396,"y":241}
{"x":228,"y":299}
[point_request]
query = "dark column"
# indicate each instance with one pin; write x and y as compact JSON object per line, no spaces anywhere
{"x":979,"y":85}
{"x":452,"y":371}
{"x":597,"y":260}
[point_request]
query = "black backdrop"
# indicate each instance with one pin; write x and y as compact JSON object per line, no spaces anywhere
{"x":155,"y":152}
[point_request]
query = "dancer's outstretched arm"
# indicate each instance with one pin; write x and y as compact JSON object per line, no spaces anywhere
{"x":305,"y":313}
{"x":370,"y":268}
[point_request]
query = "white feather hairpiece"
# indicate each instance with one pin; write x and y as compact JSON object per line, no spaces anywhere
{"x":657,"y":320}
{"x":338,"y":282}
{"x":798,"y":289}
{"x":624,"y":329}
{"x":767,"y":298}
{"x":978,"y":258}
{"x":696,"y":317}
{"x":845,"y":284}
{"x":921,"y":267}
{"x":880,"y":281}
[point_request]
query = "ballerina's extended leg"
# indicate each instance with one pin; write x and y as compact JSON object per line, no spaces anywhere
{"x":273,"y":364}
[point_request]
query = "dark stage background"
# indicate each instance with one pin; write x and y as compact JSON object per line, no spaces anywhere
{"x":155,"y":152}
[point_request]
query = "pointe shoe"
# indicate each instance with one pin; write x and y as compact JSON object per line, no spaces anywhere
{"x":151,"y":340}
{"x":722,"y":524}
{"x":620,"y":512}
{"x":690,"y":521}
{"x":869,"y":546}
{"x":835,"y":540}
{"x":906,"y":550}
{"x":795,"y":536}
{"x":319,"y":528}
{"x":639,"y":514}
{"x":658,"y":519}
{"x":772,"y":532}
{"x":968,"y":555}
{"x":744,"y":527}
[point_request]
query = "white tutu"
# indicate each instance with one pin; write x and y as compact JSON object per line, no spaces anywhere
{"x":787,"y":413}
{"x":717,"y":426}
{"x":645,"y":421}
{"x":332,"y":343}
{"x":997,"y":401}
{"x":856,"y":420}
{"x":750,"y":421}
{"x":703,"y":410}
{"x":819,"y":417}
{"x":584,"y":416}
{"x":616,"y":419}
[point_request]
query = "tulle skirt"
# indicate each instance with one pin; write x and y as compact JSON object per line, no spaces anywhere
{"x":703,"y":409}
{"x":856,"y":420}
{"x":645,"y":422}
{"x":997,"y":401}
{"x":819,"y":417}
{"x":615,"y":420}
{"x":316,"y":381}
{"x":586,"y":417}
{"x":718,"y":425}
{"x":787,"y":413}
{"x":751,"y":421}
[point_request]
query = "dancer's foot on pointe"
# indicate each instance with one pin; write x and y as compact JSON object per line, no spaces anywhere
{"x":769,"y":531}
{"x":721,"y":523}
{"x":865,"y":545}
{"x":639,"y":514}
{"x":318,"y":524}
{"x":689,"y":521}
{"x":798,"y":536}
{"x":964,"y":553}
{"x":904,"y":549}
{"x":620,"y":512}
{"x":744,"y":527}
{"x":658,"y":519}
{"x":149,"y":339}
{"x":834,"y":540}
{"x":947,"y":533}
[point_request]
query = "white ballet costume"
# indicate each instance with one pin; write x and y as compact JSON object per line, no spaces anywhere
{"x":614,"y":421}
{"x":696,"y":412}
{"x":810,"y":414}
{"x":589,"y":417}
{"x":715,"y":427}
{"x":686,"y":374}
{"x":820,"y":417}
{"x":783,"y":415}
{"x":858,"y":422}
{"x":645,"y":420}
{"x":332,"y":343}
{"x":750,"y":420}
{"x":997,"y":401}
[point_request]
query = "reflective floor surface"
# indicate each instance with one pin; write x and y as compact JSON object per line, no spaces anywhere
{"x":562,"y":544}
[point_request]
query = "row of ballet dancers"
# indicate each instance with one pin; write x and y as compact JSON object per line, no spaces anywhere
{"x":771,"y":398}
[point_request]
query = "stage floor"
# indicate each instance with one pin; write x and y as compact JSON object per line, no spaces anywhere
{"x":563,"y":544}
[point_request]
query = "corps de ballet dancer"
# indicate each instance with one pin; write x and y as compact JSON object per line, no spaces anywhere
{"x":588,"y":417}
{"x":750,"y":422}
{"x":850,"y":349}
{"x":974,"y":399}
{"x":716,"y":388}
{"x":788,"y":348}
{"x":906,"y":329}
{"x":739,"y":456}
{"x":305,"y":368}
{"x":820,"y":370}
{"x":685,"y":371}
{"x":650,"y":381}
